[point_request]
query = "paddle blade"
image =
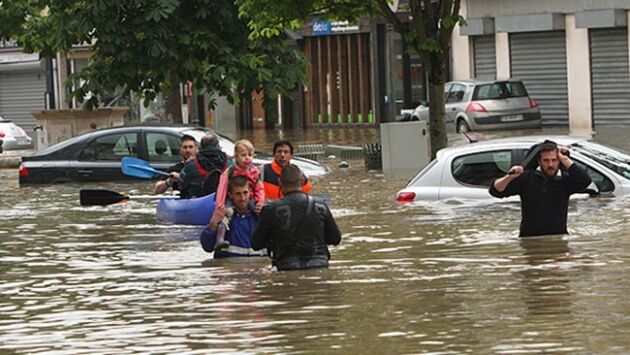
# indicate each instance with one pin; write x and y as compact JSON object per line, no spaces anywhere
{"x":100,"y":197}
{"x":139,"y":168}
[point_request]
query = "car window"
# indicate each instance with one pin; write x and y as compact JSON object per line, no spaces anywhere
{"x":480,"y":169}
{"x":501,"y":90}
{"x":603,"y":183}
{"x":614,"y":160}
{"x":111,"y":147}
{"x":456,"y":94}
{"x":447,"y":88}
{"x":163,"y":147}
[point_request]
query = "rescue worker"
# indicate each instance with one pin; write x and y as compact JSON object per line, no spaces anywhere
{"x":544,"y":191}
{"x":188,"y":149}
{"x":297,"y":228}
{"x":242,"y":224}
{"x":200,"y":175}
{"x":282,"y":154}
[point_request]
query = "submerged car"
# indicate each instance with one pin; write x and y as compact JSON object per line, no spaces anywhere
{"x":467,"y":171}
{"x":13,"y":136}
{"x":96,"y":156}
{"x":472,"y":105}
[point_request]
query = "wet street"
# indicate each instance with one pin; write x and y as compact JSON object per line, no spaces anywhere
{"x":440,"y":277}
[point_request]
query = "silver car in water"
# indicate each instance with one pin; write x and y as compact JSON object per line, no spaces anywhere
{"x":13,"y":136}
{"x":466,"y":171}
{"x":472,"y":105}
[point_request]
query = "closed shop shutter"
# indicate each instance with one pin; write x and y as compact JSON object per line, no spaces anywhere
{"x":485,"y":57}
{"x":610,"y":76}
{"x":20,"y":93}
{"x":539,"y":59}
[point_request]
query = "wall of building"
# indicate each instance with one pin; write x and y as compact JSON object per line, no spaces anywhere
{"x":577,"y":21}
{"x":493,"y":8}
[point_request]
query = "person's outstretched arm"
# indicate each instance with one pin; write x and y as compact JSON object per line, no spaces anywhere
{"x":499,"y":187}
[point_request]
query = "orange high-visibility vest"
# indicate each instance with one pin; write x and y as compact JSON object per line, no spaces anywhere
{"x":271,"y":174}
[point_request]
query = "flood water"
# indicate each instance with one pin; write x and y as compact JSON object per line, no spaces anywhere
{"x":440,"y":277}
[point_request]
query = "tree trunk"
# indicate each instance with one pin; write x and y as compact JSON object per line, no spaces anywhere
{"x":174,"y":99}
{"x":437,"y":115}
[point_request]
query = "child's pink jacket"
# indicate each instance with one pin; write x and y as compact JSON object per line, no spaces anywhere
{"x":256,"y":187}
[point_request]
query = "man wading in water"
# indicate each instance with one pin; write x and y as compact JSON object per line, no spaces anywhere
{"x":544,"y":191}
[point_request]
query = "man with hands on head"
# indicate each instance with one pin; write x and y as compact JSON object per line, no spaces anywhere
{"x":545,"y":191}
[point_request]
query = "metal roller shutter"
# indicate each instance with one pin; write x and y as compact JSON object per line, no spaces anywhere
{"x":485,"y":57}
{"x":610,"y":75}
{"x":539,"y":60}
{"x":20,"y":93}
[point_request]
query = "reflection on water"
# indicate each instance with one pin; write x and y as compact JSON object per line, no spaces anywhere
{"x":437,"y":277}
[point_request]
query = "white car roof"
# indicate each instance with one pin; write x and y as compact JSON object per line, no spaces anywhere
{"x":526,"y":141}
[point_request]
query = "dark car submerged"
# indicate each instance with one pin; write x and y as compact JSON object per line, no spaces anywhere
{"x":95,"y":156}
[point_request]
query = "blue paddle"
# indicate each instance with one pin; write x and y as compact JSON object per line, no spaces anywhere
{"x":139,"y":168}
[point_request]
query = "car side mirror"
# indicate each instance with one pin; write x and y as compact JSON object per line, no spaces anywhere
{"x":424,"y":103}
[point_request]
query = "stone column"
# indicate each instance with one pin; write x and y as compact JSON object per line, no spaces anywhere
{"x":502,"y":47}
{"x":578,"y":78}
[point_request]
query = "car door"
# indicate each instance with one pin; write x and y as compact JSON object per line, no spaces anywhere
{"x":454,"y":102}
{"x":469,"y":175}
{"x":100,"y":159}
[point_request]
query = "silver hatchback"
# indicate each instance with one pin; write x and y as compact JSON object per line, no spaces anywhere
{"x":472,"y":105}
{"x":13,"y":136}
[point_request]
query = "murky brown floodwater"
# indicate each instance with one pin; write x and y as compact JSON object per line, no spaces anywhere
{"x":442,"y":277}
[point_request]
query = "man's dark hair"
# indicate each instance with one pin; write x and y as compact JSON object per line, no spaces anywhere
{"x":548,"y":146}
{"x":188,"y":137}
{"x":281,"y":143}
{"x":291,"y":176}
{"x":237,"y":181}
{"x":209,"y":140}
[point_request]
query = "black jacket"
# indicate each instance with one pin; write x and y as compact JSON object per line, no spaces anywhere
{"x":201,"y":172}
{"x":544,"y":200}
{"x":295,"y":239}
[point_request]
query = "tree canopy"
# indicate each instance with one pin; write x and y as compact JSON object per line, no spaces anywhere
{"x":147,"y":45}
{"x":428,"y":33}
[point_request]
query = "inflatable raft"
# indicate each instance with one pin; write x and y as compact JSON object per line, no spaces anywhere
{"x":195,"y":211}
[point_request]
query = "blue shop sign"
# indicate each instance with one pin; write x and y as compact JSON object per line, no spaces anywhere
{"x":321,"y":27}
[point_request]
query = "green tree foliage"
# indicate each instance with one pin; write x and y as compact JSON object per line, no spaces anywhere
{"x":428,"y":33}
{"x":149,"y":46}
{"x":13,"y":14}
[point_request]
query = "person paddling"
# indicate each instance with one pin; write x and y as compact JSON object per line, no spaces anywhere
{"x":188,"y":150}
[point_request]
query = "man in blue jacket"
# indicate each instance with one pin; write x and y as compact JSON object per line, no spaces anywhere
{"x":242,"y":224}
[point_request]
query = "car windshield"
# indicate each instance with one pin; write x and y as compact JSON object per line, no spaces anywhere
{"x":499,"y":90}
{"x":227,"y":144}
{"x":615,"y":160}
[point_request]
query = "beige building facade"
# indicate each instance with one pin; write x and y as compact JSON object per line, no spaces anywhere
{"x":571,"y":55}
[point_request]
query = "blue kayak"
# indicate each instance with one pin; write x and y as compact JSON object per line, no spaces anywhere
{"x":195,"y":211}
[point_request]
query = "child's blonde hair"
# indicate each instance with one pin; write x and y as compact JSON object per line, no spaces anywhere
{"x":243,"y":144}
